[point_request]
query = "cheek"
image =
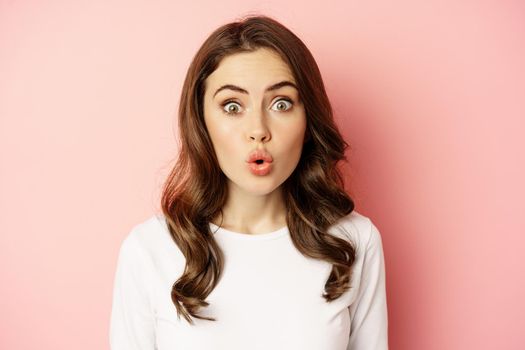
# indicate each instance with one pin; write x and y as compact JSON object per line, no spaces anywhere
{"x":223,"y":141}
{"x":293,"y":134}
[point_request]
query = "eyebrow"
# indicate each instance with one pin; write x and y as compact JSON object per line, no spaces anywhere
{"x":270,"y":88}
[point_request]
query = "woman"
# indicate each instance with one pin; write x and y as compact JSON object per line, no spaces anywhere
{"x":258,"y":246}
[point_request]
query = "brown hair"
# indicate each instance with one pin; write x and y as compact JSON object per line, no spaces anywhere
{"x":196,"y":189}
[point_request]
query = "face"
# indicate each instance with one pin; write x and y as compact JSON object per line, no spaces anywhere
{"x":250,"y":113}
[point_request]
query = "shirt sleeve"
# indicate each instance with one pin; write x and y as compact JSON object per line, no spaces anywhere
{"x":368,"y":313}
{"x":132,"y":325}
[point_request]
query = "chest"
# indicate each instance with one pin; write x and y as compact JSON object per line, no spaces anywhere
{"x":266,"y":299}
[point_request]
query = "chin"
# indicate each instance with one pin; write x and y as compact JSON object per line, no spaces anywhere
{"x":260,"y":187}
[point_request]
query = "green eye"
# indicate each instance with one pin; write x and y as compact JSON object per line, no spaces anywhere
{"x":229,"y":107}
{"x":282,"y":106}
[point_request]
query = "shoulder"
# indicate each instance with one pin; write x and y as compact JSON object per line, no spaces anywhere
{"x":145,"y":231}
{"x":149,"y":237}
{"x":357,"y":228}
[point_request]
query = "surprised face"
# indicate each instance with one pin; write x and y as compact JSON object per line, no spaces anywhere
{"x":251,"y":102}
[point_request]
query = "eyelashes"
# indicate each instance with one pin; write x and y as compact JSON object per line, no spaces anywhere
{"x":288,"y":104}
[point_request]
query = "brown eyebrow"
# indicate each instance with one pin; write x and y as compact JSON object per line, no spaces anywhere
{"x":270,"y":88}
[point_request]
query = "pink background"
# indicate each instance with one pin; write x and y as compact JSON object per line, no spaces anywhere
{"x":430,"y":95}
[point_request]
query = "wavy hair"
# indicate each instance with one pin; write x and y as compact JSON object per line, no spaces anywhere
{"x":196,"y":188}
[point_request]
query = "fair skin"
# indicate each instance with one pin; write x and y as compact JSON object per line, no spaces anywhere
{"x":257,"y":119}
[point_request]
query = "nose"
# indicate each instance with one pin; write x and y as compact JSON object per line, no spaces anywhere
{"x":258,"y":130}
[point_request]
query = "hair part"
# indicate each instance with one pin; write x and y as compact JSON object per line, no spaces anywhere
{"x":195,"y":191}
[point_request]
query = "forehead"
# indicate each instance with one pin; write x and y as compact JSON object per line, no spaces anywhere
{"x":260,"y":67}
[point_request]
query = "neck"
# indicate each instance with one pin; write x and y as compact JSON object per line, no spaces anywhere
{"x":251,"y":213}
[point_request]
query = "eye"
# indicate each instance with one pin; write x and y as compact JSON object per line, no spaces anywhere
{"x":281,"y":105}
{"x":231,"y":107}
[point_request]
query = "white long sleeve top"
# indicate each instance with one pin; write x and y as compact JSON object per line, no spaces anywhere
{"x":268,"y":298}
